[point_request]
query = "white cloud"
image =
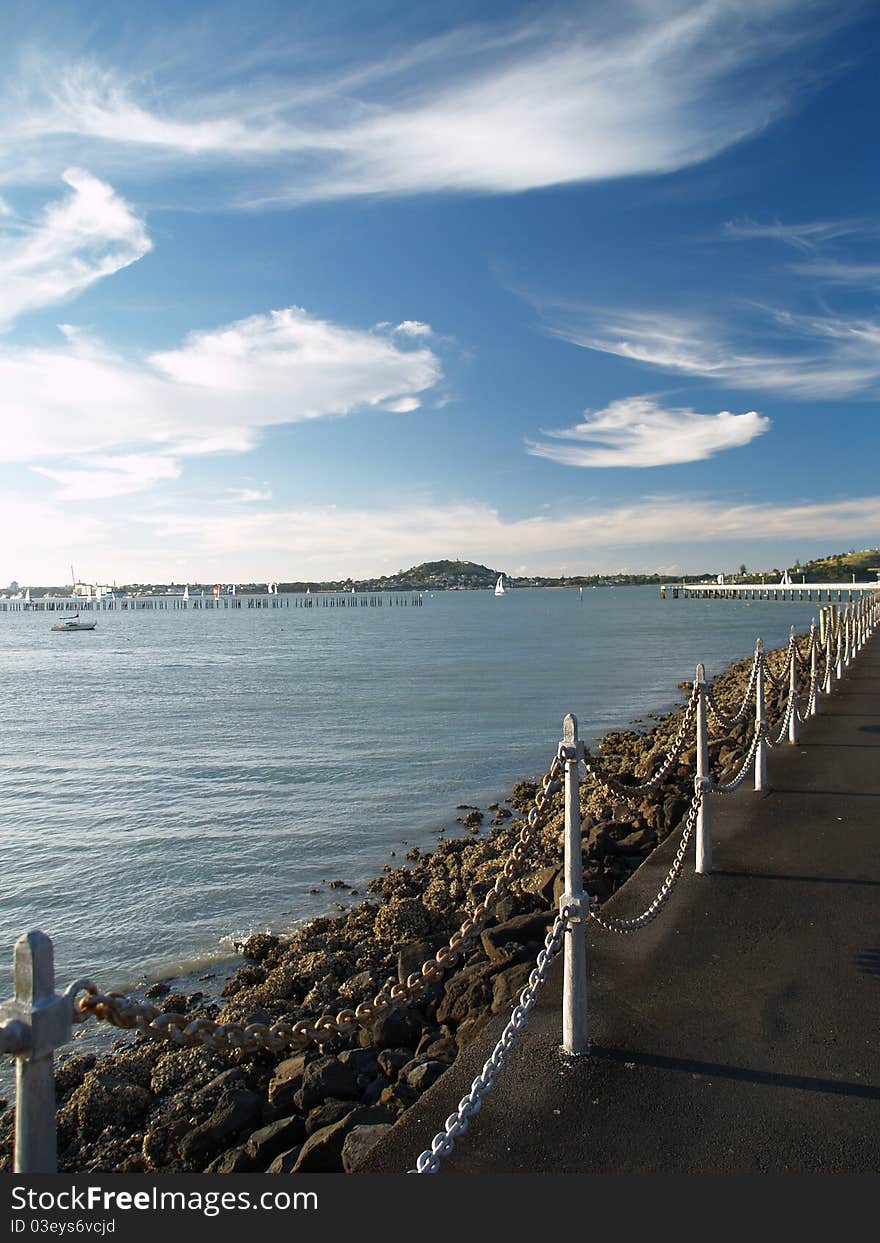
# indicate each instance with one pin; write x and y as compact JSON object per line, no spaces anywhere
{"x":248,"y":496}
{"x":816,"y":357}
{"x":101,"y":478}
{"x":87,"y":235}
{"x":414,"y":328}
{"x":216,"y":544}
{"x":636,"y":431}
{"x":403,"y":405}
{"x":331,"y":541}
{"x":216,"y":392}
{"x":585,"y":94}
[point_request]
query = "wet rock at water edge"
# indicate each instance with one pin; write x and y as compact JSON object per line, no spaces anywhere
{"x":260,"y":946}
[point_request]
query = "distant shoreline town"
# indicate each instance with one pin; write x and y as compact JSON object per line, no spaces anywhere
{"x":858,"y":566}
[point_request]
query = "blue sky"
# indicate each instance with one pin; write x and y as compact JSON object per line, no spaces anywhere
{"x":318,"y":290}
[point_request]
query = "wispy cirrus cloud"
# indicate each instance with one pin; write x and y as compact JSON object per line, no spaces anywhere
{"x":498,"y":107}
{"x":806,"y":235}
{"x":639,"y":432}
{"x":74,"y":242}
{"x":812,"y":357}
{"x":851,"y":273}
{"x":826,"y":261}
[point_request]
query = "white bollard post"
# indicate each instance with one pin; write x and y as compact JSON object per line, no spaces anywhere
{"x":839,"y":662}
{"x":760,"y":721}
{"x":792,"y":690}
{"x":829,"y":662}
{"x":814,"y":671}
{"x":575,"y":1018}
{"x":704,"y":815}
{"x":41,"y":1021}
{"x":847,"y":633}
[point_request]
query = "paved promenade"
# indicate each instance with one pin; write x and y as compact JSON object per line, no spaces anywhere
{"x":738,"y":1033}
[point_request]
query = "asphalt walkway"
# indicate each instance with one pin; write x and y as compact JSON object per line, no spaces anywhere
{"x":738,"y":1033}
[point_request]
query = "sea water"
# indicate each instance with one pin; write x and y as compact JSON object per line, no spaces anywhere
{"x":175,"y":780}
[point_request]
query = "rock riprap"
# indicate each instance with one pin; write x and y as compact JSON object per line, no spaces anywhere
{"x":155,"y":1107}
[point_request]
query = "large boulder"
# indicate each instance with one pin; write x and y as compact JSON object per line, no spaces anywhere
{"x":267,"y":1143}
{"x":521,"y":932}
{"x":401,"y":920}
{"x":287,"y":1081}
{"x":508,"y":985}
{"x":358,"y":1143}
{"x":103,"y":1100}
{"x":395,"y":1029}
{"x":260,"y":946}
{"x":236,"y":1112}
{"x":285,"y":1162}
{"x":422,"y":1072}
{"x":322,"y":1151}
{"x":467,"y":991}
{"x":328,"y":1076}
{"x":411,"y":956}
{"x":328,"y":1114}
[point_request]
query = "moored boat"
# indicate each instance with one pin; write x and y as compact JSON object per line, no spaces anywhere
{"x":65,"y":624}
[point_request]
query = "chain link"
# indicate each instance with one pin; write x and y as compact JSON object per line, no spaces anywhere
{"x":610,"y":924}
{"x":728,"y":722}
{"x":783,"y":729}
{"x":121,"y":1011}
{"x":457,"y":1123}
{"x":728,"y":787}
{"x":782,"y":678}
{"x":602,"y":777}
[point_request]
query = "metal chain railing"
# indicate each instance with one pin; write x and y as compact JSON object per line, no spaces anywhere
{"x":622,"y":788}
{"x":457,"y":1123}
{"x":728,"y":787}
{"x":125,"y":1012}
{"x":38,"y":1019}
{"x":730,"y":722}
{"x":780,"y":679}
{"x":611,"y":924}
{"x":783,"y":729}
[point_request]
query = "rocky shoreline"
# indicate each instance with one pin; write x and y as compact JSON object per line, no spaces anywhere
{"x":155,"y":1108}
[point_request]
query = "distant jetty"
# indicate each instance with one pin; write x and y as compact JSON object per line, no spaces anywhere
{"x":767,"y":591}
{"x":131,"y":604}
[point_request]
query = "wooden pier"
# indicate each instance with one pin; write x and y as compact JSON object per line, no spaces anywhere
{"x":830,"y":592}
{"x":130,"y":604}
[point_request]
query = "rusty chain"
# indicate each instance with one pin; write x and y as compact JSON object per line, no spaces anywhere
{"x":124,"y":1012}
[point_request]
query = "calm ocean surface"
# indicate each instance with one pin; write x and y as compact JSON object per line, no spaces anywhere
{"x":175,"y":780}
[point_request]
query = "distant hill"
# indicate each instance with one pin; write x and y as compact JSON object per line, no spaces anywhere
{"x":438,"y":575}
{"x":840,"y":567}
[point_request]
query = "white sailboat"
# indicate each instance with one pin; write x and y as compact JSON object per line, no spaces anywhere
{"x":66,"y":624}
{"x":499,"y":586}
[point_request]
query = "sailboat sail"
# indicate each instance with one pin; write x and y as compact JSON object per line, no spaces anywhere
{"x":499,"y":586}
